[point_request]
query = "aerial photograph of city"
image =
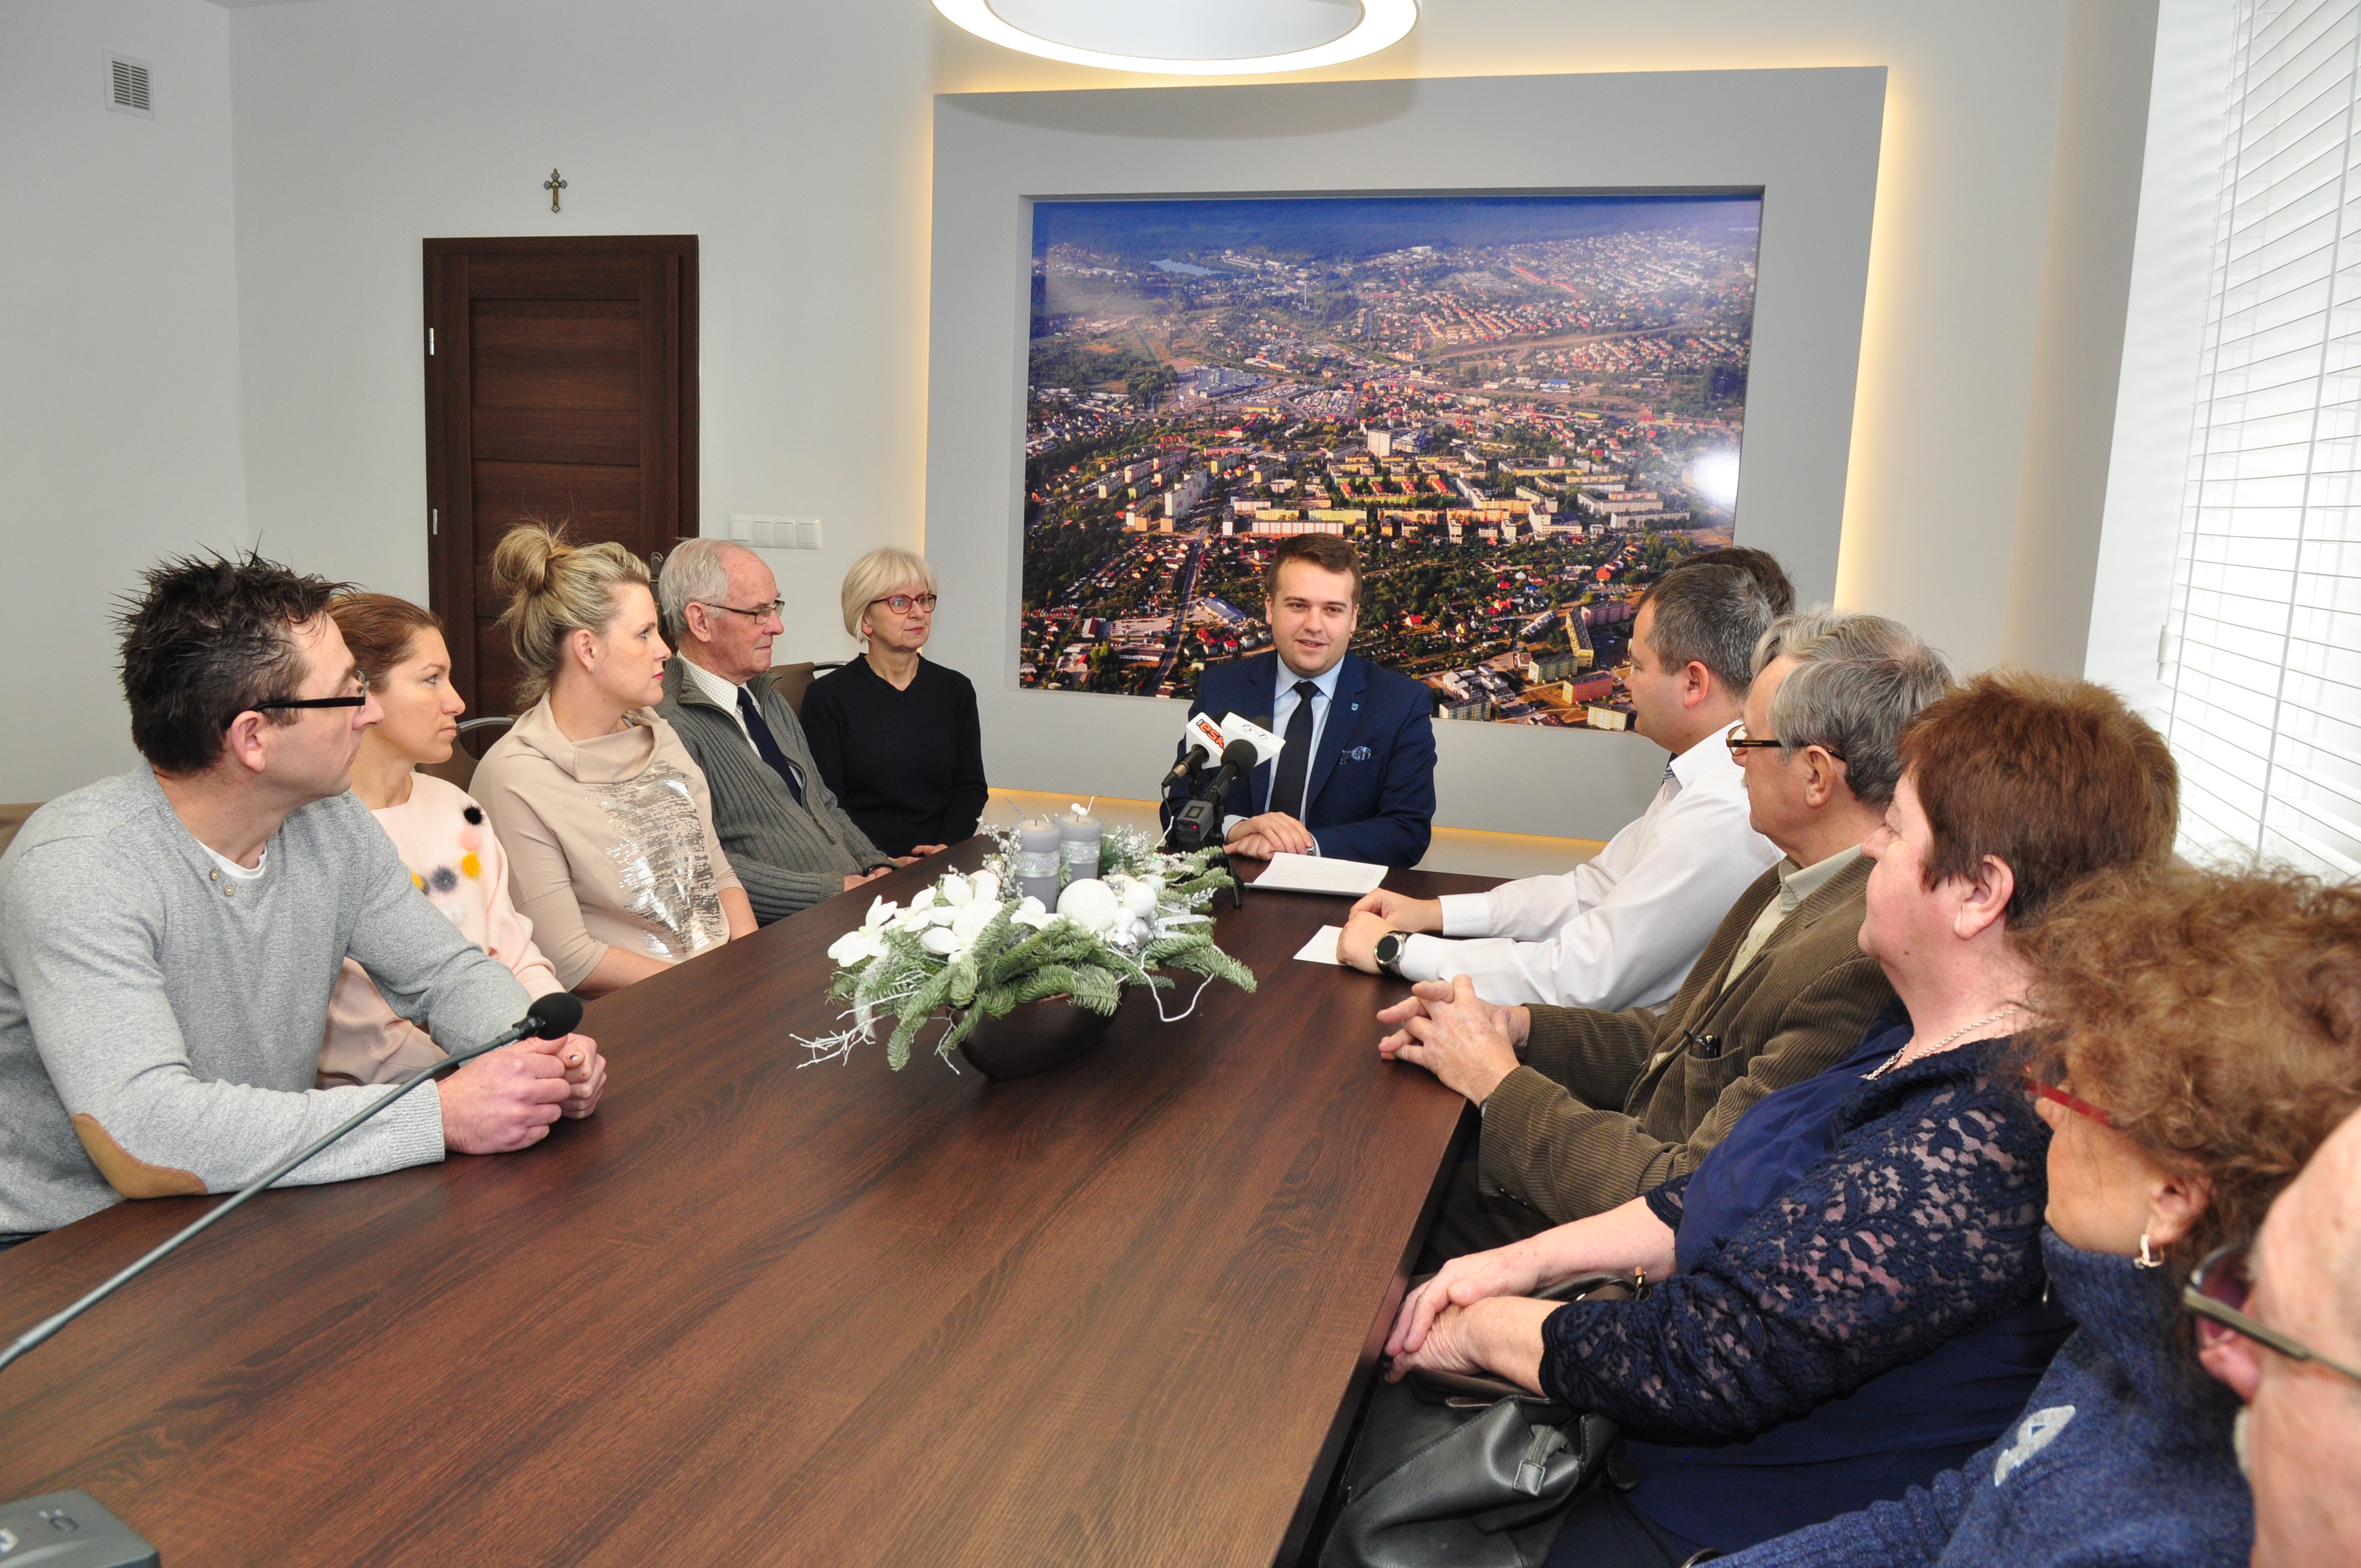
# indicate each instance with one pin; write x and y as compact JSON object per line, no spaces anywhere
{"x":1522,"y":409}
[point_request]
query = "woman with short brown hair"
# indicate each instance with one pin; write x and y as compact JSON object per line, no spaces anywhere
{"x":2198,"y":1035}
{"x":1849,"y":1290}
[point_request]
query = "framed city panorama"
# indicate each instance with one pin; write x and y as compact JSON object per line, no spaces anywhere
{"x":1522,"y":409}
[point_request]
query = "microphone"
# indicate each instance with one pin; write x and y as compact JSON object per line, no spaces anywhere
{"x":1199,"y":823}
{"x":1200,"y":743}
{"x":553,"y":1017}
{"x":1266,"y":746}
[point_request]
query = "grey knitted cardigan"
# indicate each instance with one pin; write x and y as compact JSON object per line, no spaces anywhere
{"x":789,"y":855}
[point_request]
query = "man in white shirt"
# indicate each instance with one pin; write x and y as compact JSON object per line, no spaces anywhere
{"x":1623,"y":929}
{"x":788,"y":838}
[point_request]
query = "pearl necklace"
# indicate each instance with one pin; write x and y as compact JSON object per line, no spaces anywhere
{"x":1897,"y":1058}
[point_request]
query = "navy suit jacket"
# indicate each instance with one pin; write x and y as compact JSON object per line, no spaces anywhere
{"x":1371,"y":787}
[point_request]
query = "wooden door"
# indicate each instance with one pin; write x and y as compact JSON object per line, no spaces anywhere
{"x":561,"y":385}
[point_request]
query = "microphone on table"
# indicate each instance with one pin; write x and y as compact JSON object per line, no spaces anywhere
{"x":1199,"y":823}
{"x":553,"y":1017}
{"x":1200,"y":743}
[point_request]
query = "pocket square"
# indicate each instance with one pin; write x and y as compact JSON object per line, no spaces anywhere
{"x":1358,"y":754}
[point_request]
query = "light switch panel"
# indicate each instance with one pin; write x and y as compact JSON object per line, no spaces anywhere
{"x":776,"y":532}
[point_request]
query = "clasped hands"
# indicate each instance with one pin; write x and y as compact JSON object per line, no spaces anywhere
{"x":1474,"y":1318}
{"x":507,"y":1099}
{"x":1445,"y":1028}
{"x":1272,"y":833}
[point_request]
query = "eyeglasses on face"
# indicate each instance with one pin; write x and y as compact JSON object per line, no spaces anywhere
{"x":2217,"y":1293}
{"x":357,"y":701}
{"x":903,"y":604}
{"x":2058,"y":1096}
{"x":1740,"y":744}
{"x":760,"y":612}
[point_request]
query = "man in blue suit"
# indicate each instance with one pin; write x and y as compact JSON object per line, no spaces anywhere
{"x":1355,"y":779}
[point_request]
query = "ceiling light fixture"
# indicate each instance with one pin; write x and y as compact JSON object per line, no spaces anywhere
{"x":1197,"y":37}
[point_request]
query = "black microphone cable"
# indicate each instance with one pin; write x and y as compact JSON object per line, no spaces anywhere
{"x":553,"y":1017}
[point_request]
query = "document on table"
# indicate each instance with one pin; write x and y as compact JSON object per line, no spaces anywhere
{"x":1322,"y":948}
{"x":1316,"y":873}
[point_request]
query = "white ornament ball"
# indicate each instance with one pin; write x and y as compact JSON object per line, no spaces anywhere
{"x":1088,"y":903}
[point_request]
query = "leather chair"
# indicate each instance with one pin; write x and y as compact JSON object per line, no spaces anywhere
{"x":460,"y":767}
{"x":791,"y":681}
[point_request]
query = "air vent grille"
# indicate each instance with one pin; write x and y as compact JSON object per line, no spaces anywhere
{"x":127,"y":86}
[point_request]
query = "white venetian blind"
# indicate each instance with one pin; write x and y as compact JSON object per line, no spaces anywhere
{"x":2262,"y":651}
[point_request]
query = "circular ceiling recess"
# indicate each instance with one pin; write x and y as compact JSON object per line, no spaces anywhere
{"x":1201,"y":37}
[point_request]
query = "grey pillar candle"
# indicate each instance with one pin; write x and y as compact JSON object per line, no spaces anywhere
{"x":1081,"y":834}
{"x":1036,"y":860}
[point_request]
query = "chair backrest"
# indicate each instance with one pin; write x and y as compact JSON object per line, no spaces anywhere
{"x":791,"y":681}
{"x":475,"y":737}
{"x":12,"y":817}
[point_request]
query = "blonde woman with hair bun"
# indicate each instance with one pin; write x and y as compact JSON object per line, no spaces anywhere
{"x":898,"y":737}
{"x":606,"y":816}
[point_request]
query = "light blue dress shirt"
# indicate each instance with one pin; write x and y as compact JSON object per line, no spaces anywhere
{"x":1282,"y":709}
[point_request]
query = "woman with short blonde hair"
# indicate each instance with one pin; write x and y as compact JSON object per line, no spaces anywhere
{"x":898,"y":737}
{"x":606,"y":816}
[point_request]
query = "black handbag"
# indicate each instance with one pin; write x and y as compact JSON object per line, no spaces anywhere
{"x":1472,"y":1472}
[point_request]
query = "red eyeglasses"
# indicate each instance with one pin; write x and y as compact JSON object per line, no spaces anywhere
{"x":2217,"y":1294}
{"x":2080,"y":1107}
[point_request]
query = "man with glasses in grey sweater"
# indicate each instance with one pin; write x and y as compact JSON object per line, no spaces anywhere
{"x":168,"y":937}
{"x":787,"y":836}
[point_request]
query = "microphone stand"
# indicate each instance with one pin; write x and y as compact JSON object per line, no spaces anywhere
{"x":534,"y":1023}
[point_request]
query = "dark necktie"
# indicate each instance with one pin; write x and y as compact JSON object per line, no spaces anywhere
{"x":1295,"y":757}
{"x":766,"y":746}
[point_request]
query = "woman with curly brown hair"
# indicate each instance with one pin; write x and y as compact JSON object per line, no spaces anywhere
{"x":2196,"y":1040}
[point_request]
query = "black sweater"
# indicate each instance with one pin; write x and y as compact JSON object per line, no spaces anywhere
{"x":906,"y":766}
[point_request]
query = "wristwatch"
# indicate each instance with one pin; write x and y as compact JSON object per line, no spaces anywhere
{"x":1389,"y":952}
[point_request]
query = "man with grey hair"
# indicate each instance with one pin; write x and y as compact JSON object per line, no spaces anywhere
{"x":1623,"y":929}
{"x":2300,"y":1435}
{"x":1586,"y":1109}
{"x":789,"y":841}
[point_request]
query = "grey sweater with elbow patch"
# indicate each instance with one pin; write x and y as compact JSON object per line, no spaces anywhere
{"x":178,"y":1012}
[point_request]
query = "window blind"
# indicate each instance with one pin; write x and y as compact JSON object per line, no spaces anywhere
{"x":2261,"y":650}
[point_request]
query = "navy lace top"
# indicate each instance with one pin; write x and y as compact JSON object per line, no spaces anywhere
{"x":1857,"y":1304}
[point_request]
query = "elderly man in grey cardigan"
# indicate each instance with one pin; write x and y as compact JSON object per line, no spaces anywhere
{"x":168,"y":939}
{"x":789,"y":841}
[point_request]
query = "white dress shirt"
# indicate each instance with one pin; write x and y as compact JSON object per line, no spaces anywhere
{"x":1283,"y":708}
{"x":724,"y":695}
{"x":1623,"y":929}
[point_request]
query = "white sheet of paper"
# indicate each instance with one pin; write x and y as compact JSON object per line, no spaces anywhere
{"x":1315,"y":873}
{"x":1322,"y":948}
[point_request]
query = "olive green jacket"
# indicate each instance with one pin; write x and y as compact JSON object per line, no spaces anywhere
{"x":1608,"y":1105}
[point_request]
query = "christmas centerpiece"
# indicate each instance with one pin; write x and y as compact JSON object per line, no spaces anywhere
{"x":1023,"y":984}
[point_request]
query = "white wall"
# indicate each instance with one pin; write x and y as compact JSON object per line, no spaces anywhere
{"x":2179,"y":194}
{"x":792,"y":137}
{"x":118,"y":353}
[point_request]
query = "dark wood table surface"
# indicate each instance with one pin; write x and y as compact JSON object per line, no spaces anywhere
{"x":751,"y":1314}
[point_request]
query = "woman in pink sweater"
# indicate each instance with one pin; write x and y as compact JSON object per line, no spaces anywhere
{"x":441,"y":833}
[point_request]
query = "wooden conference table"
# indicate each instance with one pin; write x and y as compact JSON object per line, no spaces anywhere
{"x":1119,"y":1312}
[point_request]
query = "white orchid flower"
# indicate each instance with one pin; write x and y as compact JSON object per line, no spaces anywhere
{"x":856,"y":948}
{"x":914,"y":919}
{"x":986,"y":886}
{"x":880,"y":913}
{"x":938,"y":941}
{"x":1032,"y":914}
{"x":923,"y":899}
{"x":957,"y":893}
{"x":971,"y":922}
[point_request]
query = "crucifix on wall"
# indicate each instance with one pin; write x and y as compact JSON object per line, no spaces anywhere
{"x":552,"y":185}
